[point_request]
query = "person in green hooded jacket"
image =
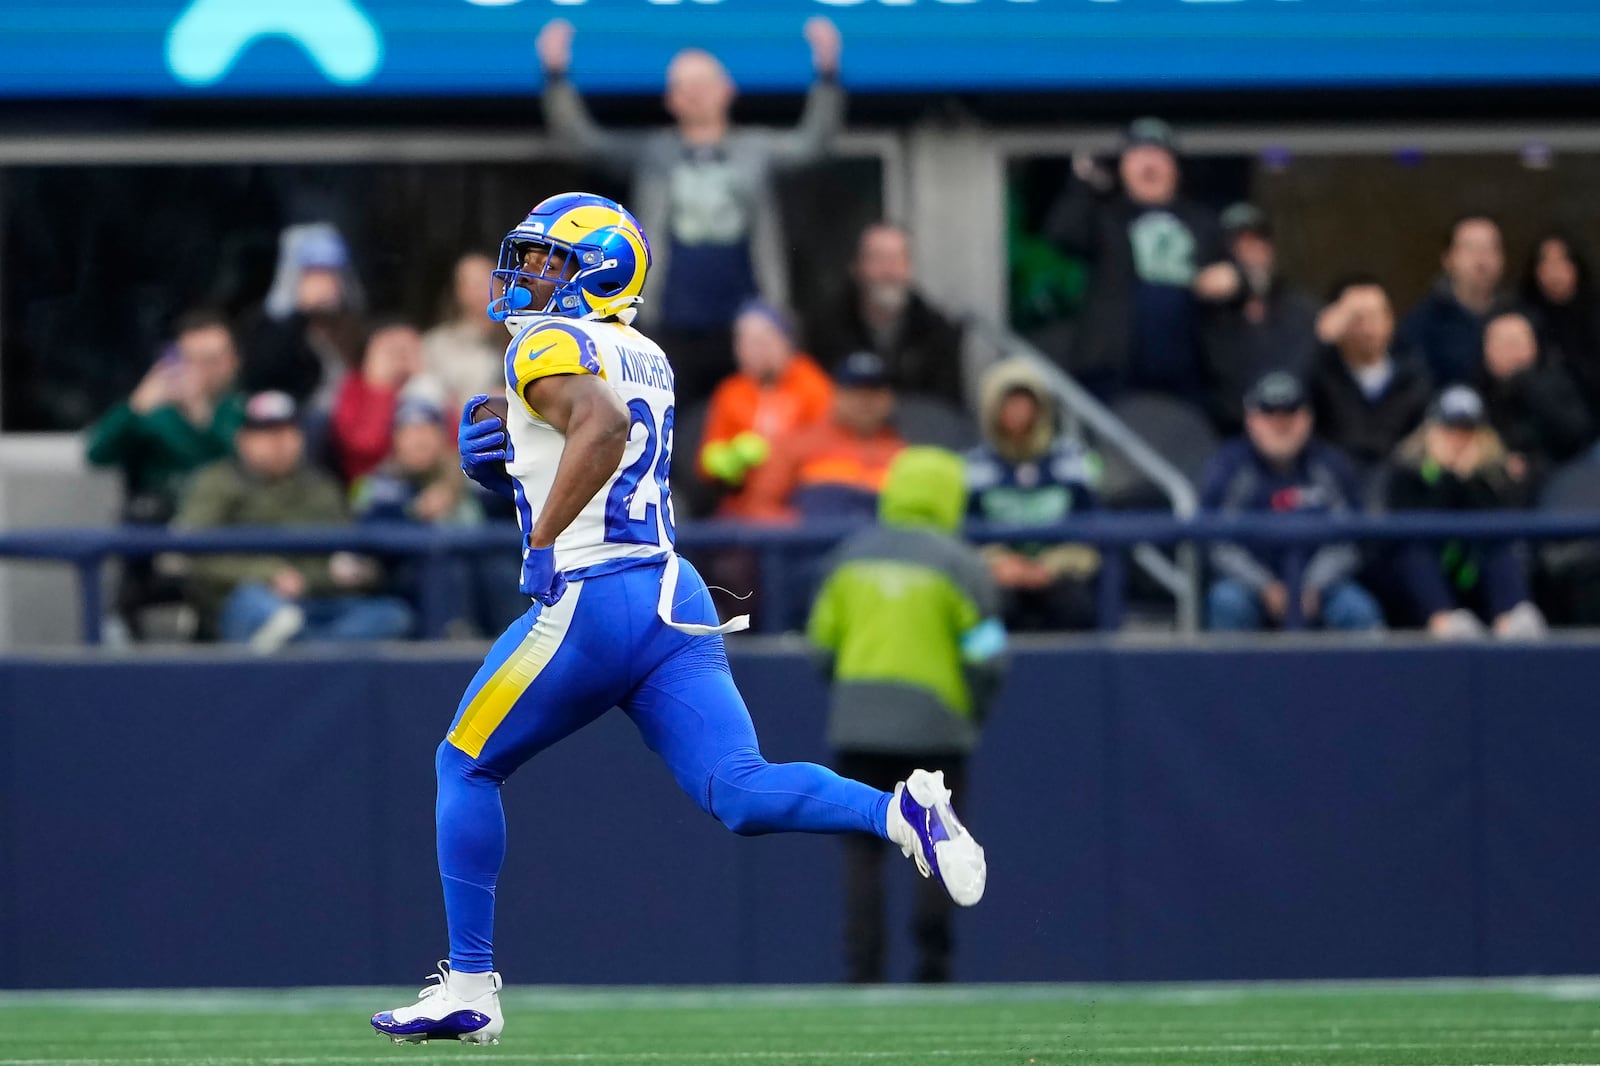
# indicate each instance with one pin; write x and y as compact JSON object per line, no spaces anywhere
{"x":906,"y":627}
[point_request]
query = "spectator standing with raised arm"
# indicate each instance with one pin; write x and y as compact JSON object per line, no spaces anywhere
{"x":882,"y":312}
{"x":1269,"y":325}
{"x":1447,"y":326}
{"x":1456,"y":462}
{"x":1153,"y":257}
{"x":1366,"y":393}
{"x":1026,"y":474}
{"x":704,"y":189}
{"x":1278,"y":468}
{"x":267,"y":600}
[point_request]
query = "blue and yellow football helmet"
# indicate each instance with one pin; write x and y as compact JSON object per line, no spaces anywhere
{"x":589,"y":251}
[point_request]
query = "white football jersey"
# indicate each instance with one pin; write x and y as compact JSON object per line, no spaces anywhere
{"x":630,"y":518}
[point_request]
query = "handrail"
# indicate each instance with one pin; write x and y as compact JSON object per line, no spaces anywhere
{"x":1107,"y":529}
{"x":1180,"y":576}
{"x":1114,"y":533}
{"x":1109,"y":429}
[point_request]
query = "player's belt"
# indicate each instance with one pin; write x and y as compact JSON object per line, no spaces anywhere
{"x":669,"y":597}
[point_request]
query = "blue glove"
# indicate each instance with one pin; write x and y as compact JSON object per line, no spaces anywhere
{"x":483,"y":450}
{"x":539,"y":577}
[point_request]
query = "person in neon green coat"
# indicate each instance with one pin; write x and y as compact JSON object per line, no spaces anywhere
{"x":906,"y":628}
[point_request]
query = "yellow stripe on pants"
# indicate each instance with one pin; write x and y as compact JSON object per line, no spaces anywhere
{"x":505,"y":687}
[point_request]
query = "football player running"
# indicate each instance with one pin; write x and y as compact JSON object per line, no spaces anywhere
{"x":617,"y":618}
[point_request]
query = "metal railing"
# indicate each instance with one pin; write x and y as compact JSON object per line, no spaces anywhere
{"x":1179,"y":575}
{"x":1116,"y":535}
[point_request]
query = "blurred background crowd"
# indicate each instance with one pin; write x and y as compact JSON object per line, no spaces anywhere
{"x":299,"y":345}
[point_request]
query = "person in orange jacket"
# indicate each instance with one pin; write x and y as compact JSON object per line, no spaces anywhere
{"x":776,"y":392}
{"x":835,"y":468}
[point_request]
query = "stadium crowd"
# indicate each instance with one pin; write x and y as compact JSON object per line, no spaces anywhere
{"x":1486,"y":395}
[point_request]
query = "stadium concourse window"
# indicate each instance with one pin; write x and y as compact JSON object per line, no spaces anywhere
{"x":825,"y":207}
{"x":96,"y":261}
{"x":1296,"y":225}
{"x":1331,"y":215}
{"x":1048,"y":283}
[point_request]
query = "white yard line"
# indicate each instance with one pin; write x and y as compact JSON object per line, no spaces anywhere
{"x":704,"y":997}
{"x":574,"y":1056}
{"x":695,"y":1056}
{"x":1079,"y":1034}
{"x":572,"y":998}
{"x":742,"y":1056}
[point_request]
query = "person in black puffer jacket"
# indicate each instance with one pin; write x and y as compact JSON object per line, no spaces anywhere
{"x":1366,"y":392}
{"x":1533,"y":402}
{"x":1456,"y":462}
{"x":1154,"y":257}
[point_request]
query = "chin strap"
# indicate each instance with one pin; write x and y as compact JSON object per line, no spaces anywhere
{"x":669,"y":595}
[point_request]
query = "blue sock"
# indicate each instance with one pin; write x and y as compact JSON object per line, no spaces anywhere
{"x":472,"y":848}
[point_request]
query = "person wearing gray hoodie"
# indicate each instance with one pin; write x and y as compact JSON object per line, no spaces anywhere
{"x":702,"y":191}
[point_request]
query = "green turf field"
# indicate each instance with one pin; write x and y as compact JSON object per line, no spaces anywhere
{"x":1518,"y":1023}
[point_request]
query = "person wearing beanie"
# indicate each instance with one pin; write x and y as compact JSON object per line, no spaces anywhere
{"x":421,"y":483}
{"x":775,"y":392}
{"x":906,"y":629}
{"x":1270,"y":325}
{"x":421,"y":480}
{"x":1154,"y":258}
{"x":834,"y":468}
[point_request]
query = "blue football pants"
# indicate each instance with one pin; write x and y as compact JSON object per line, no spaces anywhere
{"x":555,"y":670}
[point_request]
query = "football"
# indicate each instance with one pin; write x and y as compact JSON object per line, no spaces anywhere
{"x":493,"y":407}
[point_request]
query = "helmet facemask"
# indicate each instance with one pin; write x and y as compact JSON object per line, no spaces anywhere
{"x":542,"y":276}
{"x":537,"y":275}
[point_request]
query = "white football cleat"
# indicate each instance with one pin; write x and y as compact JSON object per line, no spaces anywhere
{"x":922,"y":822}
{"x":461,"y":1006}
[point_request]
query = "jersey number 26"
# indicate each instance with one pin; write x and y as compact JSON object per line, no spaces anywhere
{"x":623,"y":526}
